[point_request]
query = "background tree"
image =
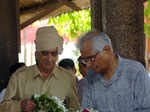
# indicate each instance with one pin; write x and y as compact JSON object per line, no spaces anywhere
{"x":71,"y":25}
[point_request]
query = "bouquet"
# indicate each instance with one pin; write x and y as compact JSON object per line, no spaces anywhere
{"x":87,"y":110}
{"x":48,"y":104}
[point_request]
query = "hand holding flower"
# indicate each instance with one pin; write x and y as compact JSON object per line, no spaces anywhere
{"x":27,"y":105}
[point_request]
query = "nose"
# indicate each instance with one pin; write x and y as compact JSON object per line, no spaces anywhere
{"x":89,"y":65}
{"x":49,"y":56}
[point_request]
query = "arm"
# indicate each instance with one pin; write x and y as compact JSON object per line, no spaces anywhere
{"x":142,"y":92}
{"x":11,"y":102}
{"x":2,"y":94}
{"x":72,"y":100}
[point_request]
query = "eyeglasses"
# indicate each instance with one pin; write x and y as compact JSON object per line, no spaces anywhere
{"x":81,"y":61}
{"x":88,"y":58}
{"x":46,"y":53}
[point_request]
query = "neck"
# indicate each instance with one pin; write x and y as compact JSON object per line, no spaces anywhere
{"x":45,"y":73}
{"x":109,"y":73}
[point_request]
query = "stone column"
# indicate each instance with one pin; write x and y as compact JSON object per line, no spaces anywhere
{"x":9,"y":36}
{"x":96,"y":19}
{"x":123,"y":21}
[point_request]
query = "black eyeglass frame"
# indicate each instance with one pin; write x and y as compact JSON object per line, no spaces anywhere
{"x":88,"y":58}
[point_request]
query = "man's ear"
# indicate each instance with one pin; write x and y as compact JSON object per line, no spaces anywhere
{"x":106,"y":48}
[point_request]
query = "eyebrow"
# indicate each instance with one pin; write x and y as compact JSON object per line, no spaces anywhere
{"x":88,"y":57}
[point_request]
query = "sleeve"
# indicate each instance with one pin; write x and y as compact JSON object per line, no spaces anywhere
{"x":2,"y":94}
{"x":142,"y":92}
{"x":72,"y":99}
{"x":10,"y":102}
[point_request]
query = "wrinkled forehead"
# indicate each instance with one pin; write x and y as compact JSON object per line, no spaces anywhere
{"x":87,"y":48}
{"x":89,"y":36}
{"x":87,"y":44}
{"x":49,"y":50}
{"x":92,"y":34}
{"x":52,"y":49}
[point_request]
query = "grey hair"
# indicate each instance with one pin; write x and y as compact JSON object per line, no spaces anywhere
{"x":99,"y":40}
{"x":83,"y":38}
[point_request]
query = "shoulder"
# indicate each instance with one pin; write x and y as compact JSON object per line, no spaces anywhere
{"x":61,"y":72}
{"x":65,"y":76}
{"x":24,"y":71}
{"x":132,"y":65}
{"x":132,"y":68}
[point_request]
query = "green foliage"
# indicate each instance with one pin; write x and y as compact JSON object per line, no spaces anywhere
{"x":47,"y":104}
{"x":147,"y":29}
{"x":72,"y":24}
{"x":147,"y":18}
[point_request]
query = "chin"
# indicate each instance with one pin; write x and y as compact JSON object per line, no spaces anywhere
{"x":96,"y":70}
{"x":48,"y":67}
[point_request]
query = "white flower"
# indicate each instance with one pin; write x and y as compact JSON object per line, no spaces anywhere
{"x":42,"y":101}
{"x":36,"y":95}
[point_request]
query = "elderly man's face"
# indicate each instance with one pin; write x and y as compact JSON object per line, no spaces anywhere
{"x":86,"y":53}
{"x":102,"y":62}
{"x":98,"y":61}
{"x":47,"y":59}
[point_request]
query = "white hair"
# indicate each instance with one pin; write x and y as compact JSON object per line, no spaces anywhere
{"x":99,"y":40}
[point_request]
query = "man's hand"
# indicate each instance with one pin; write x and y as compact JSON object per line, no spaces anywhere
{"x":27,"y":105}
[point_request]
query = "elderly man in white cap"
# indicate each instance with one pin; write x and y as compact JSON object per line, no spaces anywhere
{"x":44,"y":77}
{"x":115,"y":84}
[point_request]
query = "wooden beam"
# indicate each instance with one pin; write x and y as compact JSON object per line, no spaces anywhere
{"x":70,"y":4}
{"x":46,"y":10}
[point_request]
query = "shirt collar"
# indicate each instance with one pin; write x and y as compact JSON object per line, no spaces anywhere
{"x":93,"y":77}
{"x":116,"y":74}
{"x":38,"y":73}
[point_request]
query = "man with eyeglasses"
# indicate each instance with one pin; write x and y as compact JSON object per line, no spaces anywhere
{"x":83,"y":68}
{"x":43,"y":78}
{"x":115,"y":84}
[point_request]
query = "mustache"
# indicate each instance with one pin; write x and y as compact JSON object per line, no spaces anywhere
{"x":47,"y":62}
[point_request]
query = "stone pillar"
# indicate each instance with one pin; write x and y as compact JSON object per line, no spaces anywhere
{"x":96,"y":19}
{"x":123,"y":21}
{"x":9,"y":36}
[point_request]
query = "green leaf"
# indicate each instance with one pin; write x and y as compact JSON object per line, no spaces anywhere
{"x":72,"y":22}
